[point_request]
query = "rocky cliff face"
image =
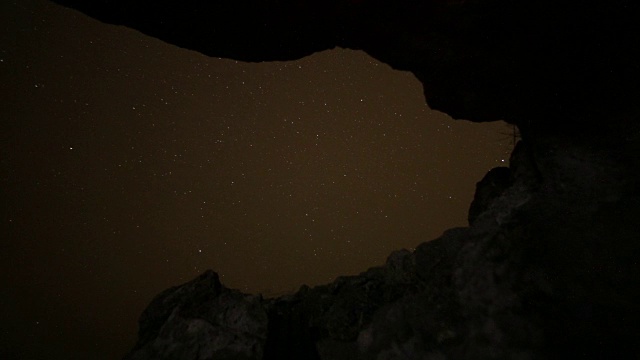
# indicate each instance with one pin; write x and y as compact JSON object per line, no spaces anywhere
{"x":548,"y":267}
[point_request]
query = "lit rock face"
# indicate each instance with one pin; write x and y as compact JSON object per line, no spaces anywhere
{"x":547,"y":269}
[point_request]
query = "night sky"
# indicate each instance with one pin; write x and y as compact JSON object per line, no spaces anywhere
{"x":129,"y":165}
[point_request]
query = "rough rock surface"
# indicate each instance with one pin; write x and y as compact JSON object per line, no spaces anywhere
{"x":542,"y":273}
{"x":547,"y":269}
{"x":202,"y":320}
{"x":489,"y":188}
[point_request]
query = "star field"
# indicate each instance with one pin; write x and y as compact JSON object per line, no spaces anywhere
{"x":130,"y":165}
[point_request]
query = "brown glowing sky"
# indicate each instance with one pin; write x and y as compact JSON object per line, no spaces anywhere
{"x":129,"y":165}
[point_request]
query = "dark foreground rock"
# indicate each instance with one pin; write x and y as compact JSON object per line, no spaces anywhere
{"x":557,"y":63}
{"x":202,"y":320}
{"x":547,"y":269}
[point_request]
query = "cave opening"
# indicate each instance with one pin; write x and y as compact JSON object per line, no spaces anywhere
{"x":289,"y":173}
{"x":147,"y":164}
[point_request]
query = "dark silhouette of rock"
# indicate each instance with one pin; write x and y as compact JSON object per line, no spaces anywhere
{"x":202,"y":320}
{"x":488,"y":189}
{"x":542,"y":62}
{"x":547,"y":269}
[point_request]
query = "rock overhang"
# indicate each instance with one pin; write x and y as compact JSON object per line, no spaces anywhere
{"x":544,"y":64}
